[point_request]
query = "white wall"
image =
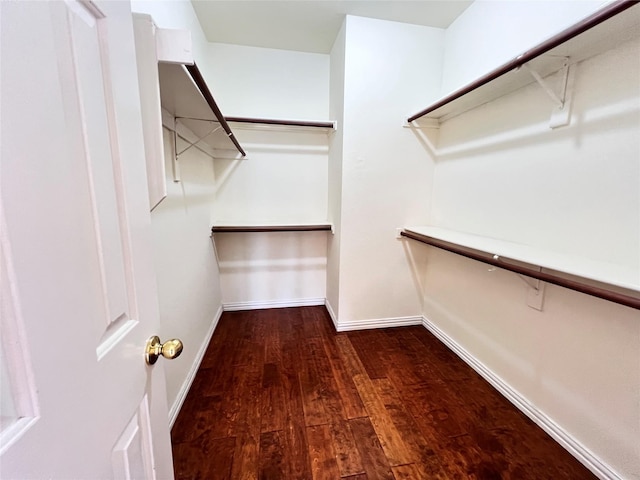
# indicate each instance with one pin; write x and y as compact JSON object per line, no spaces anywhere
{"x":490,"y":33}
{"x":186,"y":268}
{"x":502,"y":173}
{"x":176,"y":14}
{"x":268,"y":83}
{"x":389,"y":68}
{"x":336,"y":112}
{"x":283,"y":179}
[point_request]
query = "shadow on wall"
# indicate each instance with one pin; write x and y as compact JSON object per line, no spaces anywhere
{"x":521,"y":118}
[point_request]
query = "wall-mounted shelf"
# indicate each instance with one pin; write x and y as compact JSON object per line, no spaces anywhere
{"x":498,"y":253}
{"x":185,"y":95}
{"x":268,"y":123}
{"x":321,"y":227}
{"x":608,"y":27}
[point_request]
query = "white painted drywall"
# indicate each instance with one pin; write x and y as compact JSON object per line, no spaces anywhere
{"x":336,"y":112}
{"x":186,"y":267}
{"x":178,"y":14}
{"x":386,"y":177}
{"x":283,"y":180}
{"x":268,"y":83}
{"x":492,"y":32}
{"x":501,"y":172}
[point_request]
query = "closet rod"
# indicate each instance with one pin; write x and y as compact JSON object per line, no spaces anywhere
{"x":615,"y":297}
{"x":588,"y":23}
{"x":270,"y":228}
{"x":194,"y":71}
{"x":287,"y":123}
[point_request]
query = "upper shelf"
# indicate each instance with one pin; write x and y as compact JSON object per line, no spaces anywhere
{"x":594,"y":35}
{"x":185,"y":95}
{"x":310,"y":125}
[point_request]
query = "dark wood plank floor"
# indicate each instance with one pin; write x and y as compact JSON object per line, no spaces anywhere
{"x":281,"y":395}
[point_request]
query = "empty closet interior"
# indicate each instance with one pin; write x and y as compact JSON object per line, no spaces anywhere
{"x":482,"y":181}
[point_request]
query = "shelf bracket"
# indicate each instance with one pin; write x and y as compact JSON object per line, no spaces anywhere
{"x":535,"y":292}
{"x":190,"y":144}
{"x":196,"y":141}
{"x":561,"y":113}
{"x":422,"y":123}
{"x":535,"y":295}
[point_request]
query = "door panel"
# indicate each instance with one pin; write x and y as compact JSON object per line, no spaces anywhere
{"x":133,"y":453}
{"x":91,"y":64}
{"x":77,"y":227}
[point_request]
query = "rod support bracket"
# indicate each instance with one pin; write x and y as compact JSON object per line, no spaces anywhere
{"x":562,"y":97}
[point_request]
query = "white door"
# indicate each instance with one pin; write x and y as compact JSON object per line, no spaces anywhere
{"x":77,"y":284}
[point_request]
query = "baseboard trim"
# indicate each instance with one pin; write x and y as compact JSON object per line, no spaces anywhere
{"x":378,"y":323}
{"x":259,"y":305}
{"x":186,"y":385}
{"x":560,"y":435}
{"x":332,"y":314}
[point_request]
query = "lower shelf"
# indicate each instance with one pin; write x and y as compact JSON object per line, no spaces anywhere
{"x":272,"y":228}
{"x":498,"y":253}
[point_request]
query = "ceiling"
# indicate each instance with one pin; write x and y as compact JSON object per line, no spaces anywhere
{"x":310,"y":25}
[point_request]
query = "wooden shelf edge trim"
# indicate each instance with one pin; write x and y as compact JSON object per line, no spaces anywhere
{"x":285,"y":123}
{"x":593,"y":20}
{"x":602,"y":293}
{"x":270,"y":228}
{"x":194,"y":71}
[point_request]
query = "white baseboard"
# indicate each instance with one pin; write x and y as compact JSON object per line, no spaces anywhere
{"x":560,"y":435}
{"x":186,"y":385}
{"x":378,"y":323}
{"x":332,"y":314}
{"x":258,"y":305}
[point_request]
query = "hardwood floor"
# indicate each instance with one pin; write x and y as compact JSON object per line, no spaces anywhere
{"x":281,"y":395}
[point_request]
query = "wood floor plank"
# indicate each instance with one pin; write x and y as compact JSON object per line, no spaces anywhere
{"x":350,"y":398}
{"x":420,"y":450}
{"x":312,"y":387}
{"x":374,"y":460}
{"x":204,"y":458}
{"x":367,"y":345}
{"x":321,"y":453}
{"x":349,"y":356}
{"x":396,"y":449}
{"x":273,"y":416}
{"x":345,"y":446}
{"x":272,"y":453}
{"x":390,"y":403}
{"x":295,"y":433}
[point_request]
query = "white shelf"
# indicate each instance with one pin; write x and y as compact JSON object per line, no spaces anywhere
{"x":270,"y":227}
{"x":181,"y":98}
{"x":608,"y":273}
{"x":250,"y":123}
{"x":603,"y":33}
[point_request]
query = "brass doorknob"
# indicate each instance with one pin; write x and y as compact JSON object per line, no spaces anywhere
{"x":169,"y":349}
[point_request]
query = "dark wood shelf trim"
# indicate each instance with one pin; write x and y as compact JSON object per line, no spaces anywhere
{"x":285,"y":123}
{"x":270,"y":228}
{"x":597,"y":18}
{"x":587,"y":289}
{"x":194,"y":71}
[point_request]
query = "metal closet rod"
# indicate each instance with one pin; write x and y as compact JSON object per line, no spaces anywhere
{"x":588,"y":23}
{"x":194,"y":71}
{"x":609,"y":295}
{"x":270,"y":228}
{"x":287,"y":123}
